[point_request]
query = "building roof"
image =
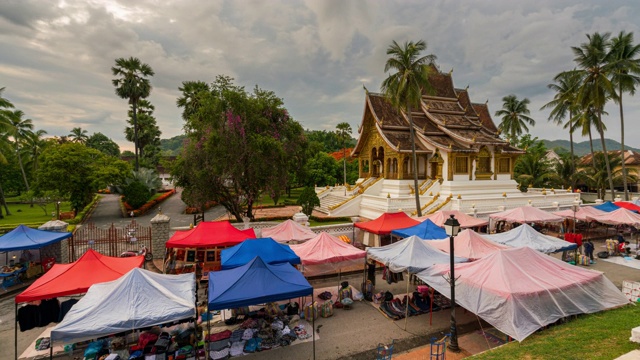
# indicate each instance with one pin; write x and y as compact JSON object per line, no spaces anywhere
{"x":630,"y":157}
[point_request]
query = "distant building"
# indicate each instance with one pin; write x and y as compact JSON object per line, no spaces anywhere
{"x":631,"y":162}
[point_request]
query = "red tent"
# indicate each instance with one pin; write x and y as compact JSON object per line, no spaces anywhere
{"x":383,"y":225}
{"x":209,"y":234}
{"x":77,"y":277}
{"x":628,"y":205}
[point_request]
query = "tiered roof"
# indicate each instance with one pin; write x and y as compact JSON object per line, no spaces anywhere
{"x":446,"y":119}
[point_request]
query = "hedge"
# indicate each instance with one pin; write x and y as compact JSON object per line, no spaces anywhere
{"x":146,"y":207}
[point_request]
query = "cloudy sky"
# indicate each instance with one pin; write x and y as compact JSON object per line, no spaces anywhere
{"x":56,"y":56}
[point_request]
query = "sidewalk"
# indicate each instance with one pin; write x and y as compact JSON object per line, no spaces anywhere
{"x":470,"y":344}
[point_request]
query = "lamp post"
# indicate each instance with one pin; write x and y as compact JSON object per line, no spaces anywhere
{"x":575,"y":207}
{"x":452,"y":226}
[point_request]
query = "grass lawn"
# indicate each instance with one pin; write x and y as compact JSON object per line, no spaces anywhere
{"x":604,"y":335}
{"x":265,"y":200}
{"x":25,"y":214}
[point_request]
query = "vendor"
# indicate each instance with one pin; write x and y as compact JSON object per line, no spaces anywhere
{"x":170,"y":264}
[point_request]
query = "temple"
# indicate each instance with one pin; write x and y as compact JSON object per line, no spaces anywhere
{"x":461,"y":158}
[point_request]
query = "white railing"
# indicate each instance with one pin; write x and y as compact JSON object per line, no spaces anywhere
{"x":486,"y":206}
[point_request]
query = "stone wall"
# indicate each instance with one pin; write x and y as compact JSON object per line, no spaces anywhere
{"x":160,"y":234}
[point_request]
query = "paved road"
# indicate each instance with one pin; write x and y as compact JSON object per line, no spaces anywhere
{"x":108,"y":212}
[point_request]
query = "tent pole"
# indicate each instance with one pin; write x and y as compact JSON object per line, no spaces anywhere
{"x":430,"y":305}
{"x":50,"y":349}
{"x":364,"y":273}
{"x":313,"y":326}
{"x":164,"y":261}
{"x":15,"y":334}
{"x":406,"y":307}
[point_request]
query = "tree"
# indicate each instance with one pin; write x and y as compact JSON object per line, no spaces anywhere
{"x":5,"y":144}
{"x":533,"y":168}
{"x":564,"y":104}
{"x":148,"y":134}
{"x":78,"y":135}
{"x":308,"y":199}
{"x":92,"y":170}
{"x":596,"y":89}
{"x":514,"y":117}
{"x":344,"y":133}
{"x":322,"y":170}
{"x":20,"y":130}
{"x":36,"y":144}
{"x":132,"y":85}
{"x":596,"y":177}
{"x":624,"y":64}
{"x":102,"y":143}
{"x":404,"y":88}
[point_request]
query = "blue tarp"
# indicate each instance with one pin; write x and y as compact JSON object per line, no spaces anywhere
{"x":255,"y":283}
{"x":607,"y":206}
{"x":268,"y":249}
{"x":426,"y":230}
{"x":25,"y":238}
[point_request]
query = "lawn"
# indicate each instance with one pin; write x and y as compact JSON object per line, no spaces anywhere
{"x":604,"y":335}
{"x":25,"y":214}
{"x":265,"y":200}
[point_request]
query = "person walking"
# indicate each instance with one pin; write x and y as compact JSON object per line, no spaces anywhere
{"x":588,"y":250}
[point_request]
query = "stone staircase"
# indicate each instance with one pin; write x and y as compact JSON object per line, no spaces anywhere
{"x":330,"y":200}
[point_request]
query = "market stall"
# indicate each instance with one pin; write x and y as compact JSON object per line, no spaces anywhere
{"x":202,"y":245}
{"x":326,"y":254}
{"x":469,"y":244}
{"x":287,"y":231}
{"x":378,"y":231}
{"x":519,"y":291}
{"x":628,"y":205}
{"x":607,"y":206}
{"x":425,"y":230}
{"x":525,"y":235}
{"x":465,"y":220}
{"x":268,"y":249}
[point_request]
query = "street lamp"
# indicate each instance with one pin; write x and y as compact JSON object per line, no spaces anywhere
{"x":451,"y":227}
{"x":575,"y":207}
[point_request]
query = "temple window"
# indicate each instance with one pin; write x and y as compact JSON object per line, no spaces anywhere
{"x":504,"y":165}
{"x":462,"y":165}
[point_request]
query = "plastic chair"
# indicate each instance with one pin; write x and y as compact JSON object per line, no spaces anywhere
{"x":439,"y":348}
{"x":385,"y":351}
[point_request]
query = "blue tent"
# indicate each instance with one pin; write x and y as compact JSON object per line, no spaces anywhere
{"x":271,"y":252}
{"x":426,"y":230}
{"x":607,"y":206}
{"x":25,"y":238}
{"x":255,"y":283}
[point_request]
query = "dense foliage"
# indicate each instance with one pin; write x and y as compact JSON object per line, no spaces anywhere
{"x":308,"y":200}
{"x":136,"y":194}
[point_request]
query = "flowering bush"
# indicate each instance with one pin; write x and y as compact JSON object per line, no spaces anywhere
{"x":194,"y":210}
{"x":148,"y":205}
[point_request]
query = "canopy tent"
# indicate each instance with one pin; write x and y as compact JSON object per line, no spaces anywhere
{"x":326,"y":253}
{"x":25,"y":238}
{"x":138,"y":299}
{"x":469,"y":244}
{"x":581,"y":214}
{"x":465,"y":220}
{"x":383,"y":225}
{"x":412,"y":254}
{"x":268,"y":249}
{"x":621,"y":216}
{"x":288,"y":231}
{"x":518,"y":291}
{"x":255,"y":282}
{"x":425,"y":230}
{"x":526,"y":214}
{"x":525,"y":235}
{"x":628,"y":205}
{"x":209,"y":234}
{"x":607,"y":206}
{"x":76,"y":277}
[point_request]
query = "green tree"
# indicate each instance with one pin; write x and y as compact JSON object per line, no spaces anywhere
{"x":564,"y":171}
{"x":596,"y":177}
{"x":92,"y":170}
{"x":191,"y":101}
{"x":148,"y":134}
{"x":322,"y":170}
{"x":101,"y":142}
{"x":132,"y":84}
{"x":624,"y":65}
{"x":405,"y":86}
{"x":596,"y":89}
{"x":308,"y":199}
{"x":5,"y":144}
{"x":20,"y":131}
{"x":514,"y":117}
{"x":563,"y":106}
{"x":343,"y":131}
{"x":533,"y":168}
{"x":78,"y":135}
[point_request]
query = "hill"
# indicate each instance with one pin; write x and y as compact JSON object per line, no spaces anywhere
{"x":582,"y":148}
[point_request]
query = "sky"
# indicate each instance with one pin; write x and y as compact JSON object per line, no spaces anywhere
{"x":56,"y":57}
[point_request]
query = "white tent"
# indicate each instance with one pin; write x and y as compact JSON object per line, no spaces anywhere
{"x":138,"y":299}
{"x":518,"y":291}
{"x":525,"y":235}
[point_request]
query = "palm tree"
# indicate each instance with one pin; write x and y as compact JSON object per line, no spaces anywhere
{"x":533,"y":168}
{"x":36,"y":144}
{"x":405,"y":87}
{"x":191,"y":97}
{"x":596,"y":88}
{"x":20,"y":130}
{"x":585,"y":119}
{"x":5,"y":144}
{"x":515,"y":117}
{"x":624,"y":65}
{"x":344,"y":133}
{"x":564,"y":103}
{"x":597,"y":176}
{"x":78,"y":135}
{"x":133,"y":85}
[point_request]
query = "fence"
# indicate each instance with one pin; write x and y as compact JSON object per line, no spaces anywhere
{"x":111,"y":242}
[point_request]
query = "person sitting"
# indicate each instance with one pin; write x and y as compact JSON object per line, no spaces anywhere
{"x":624,"y":248}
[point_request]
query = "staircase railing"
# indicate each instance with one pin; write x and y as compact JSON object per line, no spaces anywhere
{"x":435,"y":197}
{"x":441,"y":205}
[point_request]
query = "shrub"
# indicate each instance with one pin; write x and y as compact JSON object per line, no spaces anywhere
{"x":308,"y":200}
{"x":136,"y":194}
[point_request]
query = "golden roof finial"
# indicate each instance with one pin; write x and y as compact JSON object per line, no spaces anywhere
{"x":398,"y":146}
{"x":424,"y":128}
{"x":465,"y":108}
{"x":451,"y":71}
{"x":450,"y":146}
{"x":459,"y":196}
{"x":486,"y":102}
{"x":467,"y":88}
{"x":365,"y":89}
{"x":474,"y":138}
{"x":381,"y":121}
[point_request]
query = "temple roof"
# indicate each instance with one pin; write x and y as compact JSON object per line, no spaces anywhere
{"x":446,"y":119}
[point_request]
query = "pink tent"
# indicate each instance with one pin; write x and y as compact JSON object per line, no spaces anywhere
{"x":288,"y":231}
{"x":469,"y":244}
{"x":520,"y":290}
{"x":581,"y":214}
{"x":465,"y":220}
{"x":326,"y":254}
{"x":526,"y":214}
{"x":621,"y":216}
